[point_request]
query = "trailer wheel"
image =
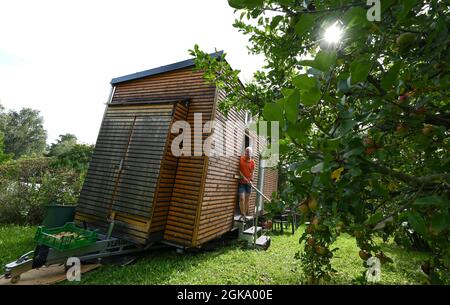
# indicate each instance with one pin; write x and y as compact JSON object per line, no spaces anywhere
{"x":15,"y":279}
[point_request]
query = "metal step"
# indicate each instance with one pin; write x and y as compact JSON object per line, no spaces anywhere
{"x":251,"y":230}
{"x":263,"y":242}
{"x":237,"y":218}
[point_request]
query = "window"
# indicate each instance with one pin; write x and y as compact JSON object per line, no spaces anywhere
{"x":248,"y":141}
{"x":248,"y":118}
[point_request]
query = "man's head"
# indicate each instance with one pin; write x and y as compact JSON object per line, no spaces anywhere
{"x":248,"y":152}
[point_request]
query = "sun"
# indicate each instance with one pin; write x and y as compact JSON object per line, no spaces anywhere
{"x":333,"y":33}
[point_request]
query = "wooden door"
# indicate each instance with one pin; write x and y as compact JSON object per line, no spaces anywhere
{"x":124,"y":169}
{"x":136,"y":183}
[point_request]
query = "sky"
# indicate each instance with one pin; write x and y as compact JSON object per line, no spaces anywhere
{"x":59,"y":57}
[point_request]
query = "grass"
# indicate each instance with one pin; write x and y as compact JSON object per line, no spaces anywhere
{"x":15,"y":241}
{"x":230,"y":264}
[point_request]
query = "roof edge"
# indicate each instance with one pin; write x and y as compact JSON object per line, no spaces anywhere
{"x":162,"y":69}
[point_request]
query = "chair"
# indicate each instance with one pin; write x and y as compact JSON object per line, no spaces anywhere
{"x":284,"y":218}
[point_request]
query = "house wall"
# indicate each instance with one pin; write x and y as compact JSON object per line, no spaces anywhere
{"x":220,"y":194}
{"x":181,"y":211}
{"x":270,"y":181}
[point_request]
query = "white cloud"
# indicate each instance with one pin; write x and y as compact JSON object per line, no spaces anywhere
{"x":67,"y":52}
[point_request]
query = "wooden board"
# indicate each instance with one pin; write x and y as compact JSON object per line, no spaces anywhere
{"x":46,"y":275}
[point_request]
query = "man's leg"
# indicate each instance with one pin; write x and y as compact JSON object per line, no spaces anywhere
{"x":247,"y":200}
{"x":242,"y":203}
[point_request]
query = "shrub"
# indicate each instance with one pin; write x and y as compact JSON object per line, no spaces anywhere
{"x":26,"y":185}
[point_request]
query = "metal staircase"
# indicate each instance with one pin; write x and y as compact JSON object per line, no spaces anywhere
{"x":249,"y":230}
{"x":254,"y":237}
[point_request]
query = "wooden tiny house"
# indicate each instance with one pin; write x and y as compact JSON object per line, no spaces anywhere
{"x":136,"y":181}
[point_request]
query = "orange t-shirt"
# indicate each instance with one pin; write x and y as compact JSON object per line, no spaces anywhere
{"x":246,"y":167}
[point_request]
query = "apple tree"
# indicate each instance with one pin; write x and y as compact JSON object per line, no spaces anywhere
{"x":364,"y":116}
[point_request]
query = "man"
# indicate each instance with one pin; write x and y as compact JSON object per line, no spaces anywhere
{"x":246,"y":169}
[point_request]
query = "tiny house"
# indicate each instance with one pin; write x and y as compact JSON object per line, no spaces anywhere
{"x":151,"y":194}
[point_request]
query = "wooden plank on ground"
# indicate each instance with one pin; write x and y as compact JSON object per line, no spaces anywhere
{"x":46,"y":275}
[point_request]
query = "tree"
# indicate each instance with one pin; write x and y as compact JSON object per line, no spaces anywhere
{"x":77,"y":158}
{"x":3,"y":156}
{"x":24,"y":133}
{"x":364,"y":122}
{"x":68,"y":153}
{"x":64,"y":144}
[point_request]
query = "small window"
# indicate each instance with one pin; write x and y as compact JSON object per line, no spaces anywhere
{"x":248,"y":141}
{"x":248,"y":117}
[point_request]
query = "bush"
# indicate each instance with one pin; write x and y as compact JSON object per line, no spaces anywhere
{"x":26,"y":185}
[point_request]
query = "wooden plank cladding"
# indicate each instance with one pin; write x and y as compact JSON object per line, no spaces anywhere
{"x":166,"y":179}
{"x":119,"y":183}
{"x":220,"y":199}
{"x":134,"y":178}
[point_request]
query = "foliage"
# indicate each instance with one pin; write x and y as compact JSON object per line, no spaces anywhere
{"x":3,"y":156}
{"x":64,"y":144}
{"x":76,"y":158}
{"x":27,"y":184}
{"x":364,"y":122}
{"x":24,"y":133}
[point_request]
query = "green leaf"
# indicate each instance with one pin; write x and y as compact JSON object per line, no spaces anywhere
{"x":324,"y":59}
{"x":440,"y":222}
{"x":431,"y":200}
{"x":353,"y":152}
{"x":407,"y":7}
{"x":356,"y":17}
{"x":387,"y":4}
{"x":375,"y":218}
{"x":240,"y":4}
{"x":304,"y":24}
{"x":417,"y":223}
{"x":287,"y":91}
{"x":390,"y":77}
{"x":298,"y":130}
{"x":291,"y":106}
{"x":310,"y":97}
{"x":273,"y":112}
{"x":307,"y":62}
{"x":345,"y":126}
{"x":343,"y":85}
{"x":359,"y":70}
{"x":275,"y":21}
{"x":304,"y":82}
{"x":318,"y":168}
{"x":332,"y":144}
{"x":355,"y":171}
{"x":294,"y":132}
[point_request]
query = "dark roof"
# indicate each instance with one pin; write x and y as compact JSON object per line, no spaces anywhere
{"x":159,"y":70}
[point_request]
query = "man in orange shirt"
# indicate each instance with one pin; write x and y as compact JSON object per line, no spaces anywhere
{"x":246,"y":169}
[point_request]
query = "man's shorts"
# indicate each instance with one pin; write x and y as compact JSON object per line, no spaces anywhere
{"x":244,"y":188}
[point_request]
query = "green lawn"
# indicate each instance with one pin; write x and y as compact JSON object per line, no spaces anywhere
{"x":229,"y":264}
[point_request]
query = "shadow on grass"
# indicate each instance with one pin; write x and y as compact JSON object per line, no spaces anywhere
{"x":161,"y":266}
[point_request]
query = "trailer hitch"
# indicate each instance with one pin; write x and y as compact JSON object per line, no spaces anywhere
{"x":14,"y":269}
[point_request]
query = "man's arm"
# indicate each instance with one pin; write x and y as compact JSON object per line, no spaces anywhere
{"x":242,"y":175}
{"x":252,"y":171}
